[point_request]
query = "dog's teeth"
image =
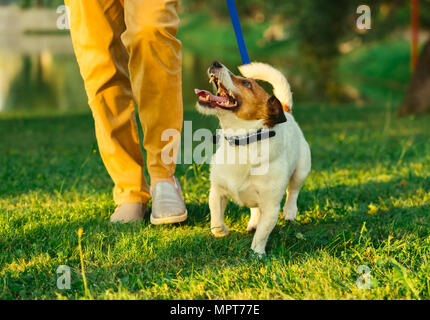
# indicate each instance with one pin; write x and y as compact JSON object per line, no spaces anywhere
{"x":231,"y":94}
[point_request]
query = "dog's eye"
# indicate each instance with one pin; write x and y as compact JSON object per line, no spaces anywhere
{"x":247,"y":84}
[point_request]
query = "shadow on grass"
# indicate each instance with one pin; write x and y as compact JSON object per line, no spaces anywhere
{"x":320,"y":227}
{"x":55,"y":154}
{"x":58,"y":153}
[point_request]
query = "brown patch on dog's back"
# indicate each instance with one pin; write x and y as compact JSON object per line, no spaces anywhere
{"x":254,"y":103}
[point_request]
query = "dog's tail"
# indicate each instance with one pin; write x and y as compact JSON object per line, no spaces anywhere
{"x":281,"y":87}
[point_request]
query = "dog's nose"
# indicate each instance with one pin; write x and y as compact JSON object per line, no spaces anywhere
{"x":216,"y":64}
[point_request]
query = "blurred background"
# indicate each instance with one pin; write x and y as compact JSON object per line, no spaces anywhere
{"x":316,"y":43}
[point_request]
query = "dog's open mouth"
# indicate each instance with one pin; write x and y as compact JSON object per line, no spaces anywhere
{"x":224,"y":98}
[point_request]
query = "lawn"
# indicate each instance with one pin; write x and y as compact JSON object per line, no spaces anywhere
{"x":366,"y":202}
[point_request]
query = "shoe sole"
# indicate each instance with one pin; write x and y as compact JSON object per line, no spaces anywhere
{"x":169,"y":220}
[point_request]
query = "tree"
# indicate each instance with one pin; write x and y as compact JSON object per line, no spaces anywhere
{"x":417,"y":99}
{"x":319,"y":25}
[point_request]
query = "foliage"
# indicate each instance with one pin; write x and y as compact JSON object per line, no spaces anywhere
{"x":319,"y":27}
{"x":316,"y":27}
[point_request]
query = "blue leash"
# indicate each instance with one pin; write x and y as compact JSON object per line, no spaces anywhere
{"x":238,"y":31}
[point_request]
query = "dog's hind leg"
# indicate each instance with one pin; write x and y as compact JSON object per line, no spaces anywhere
{"x":217,"y":204}
{"x":297,"y":179}
{"x":268,"y":219}
{"x":253,"y":220}
{"x":290,"y":207}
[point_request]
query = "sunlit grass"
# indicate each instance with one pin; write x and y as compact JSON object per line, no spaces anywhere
{"x":366,"y":202}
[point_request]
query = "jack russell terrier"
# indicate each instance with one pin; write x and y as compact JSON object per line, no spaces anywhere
{"x":264,"y":120}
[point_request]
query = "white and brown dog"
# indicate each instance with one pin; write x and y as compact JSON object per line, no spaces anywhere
{"x":242,"y":105}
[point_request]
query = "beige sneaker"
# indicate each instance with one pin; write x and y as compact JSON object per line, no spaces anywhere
{"x":168,"y":206}
{"x":129,"y":212}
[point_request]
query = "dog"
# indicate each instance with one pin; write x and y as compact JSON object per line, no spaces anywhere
{"x":242,"y":105}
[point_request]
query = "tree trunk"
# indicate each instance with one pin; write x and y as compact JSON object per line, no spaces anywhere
{"x":417,"y":100}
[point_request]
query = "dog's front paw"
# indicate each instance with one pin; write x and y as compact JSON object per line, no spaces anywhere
{"x":258,"y":253}
{"x":220,"y":231}
{"x":290,"y":212}
{"x":258,"y":248}
{"x":256,"y":256}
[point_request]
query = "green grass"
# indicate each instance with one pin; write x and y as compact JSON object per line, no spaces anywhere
{"x":52,"y":182}
{"x":380,"y":71}
{"x":366,"y":202}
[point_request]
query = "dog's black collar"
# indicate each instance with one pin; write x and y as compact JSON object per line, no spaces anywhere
{"x":260,"y":134}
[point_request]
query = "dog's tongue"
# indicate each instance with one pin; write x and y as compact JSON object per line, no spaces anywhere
{"x":212,"y":97}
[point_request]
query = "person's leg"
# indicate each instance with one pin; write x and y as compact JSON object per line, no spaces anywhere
{"x":96,"y":27}
{"x":155,"y":71}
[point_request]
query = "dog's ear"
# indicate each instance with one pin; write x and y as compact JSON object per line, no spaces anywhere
{"x":274,"y":111}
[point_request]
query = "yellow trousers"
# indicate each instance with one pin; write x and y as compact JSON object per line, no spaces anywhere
{"x":126,"y":49}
